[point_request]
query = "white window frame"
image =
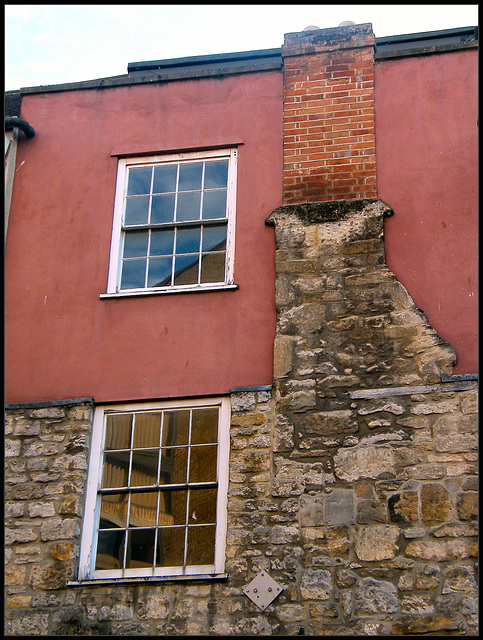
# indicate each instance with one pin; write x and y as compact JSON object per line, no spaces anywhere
{"x":88,"y":546}
{"x":115,"y":261}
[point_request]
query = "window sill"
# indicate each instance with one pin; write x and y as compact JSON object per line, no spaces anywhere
{"x":186,"y":578}
{"x":162,"y":292}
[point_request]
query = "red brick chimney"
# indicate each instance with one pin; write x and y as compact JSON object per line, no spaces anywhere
{"x":328,"y":113}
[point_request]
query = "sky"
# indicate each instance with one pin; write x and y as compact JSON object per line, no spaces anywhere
{"x":53,"y":44}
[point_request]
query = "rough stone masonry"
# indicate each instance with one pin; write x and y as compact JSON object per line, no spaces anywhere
{"x":353,"y":484}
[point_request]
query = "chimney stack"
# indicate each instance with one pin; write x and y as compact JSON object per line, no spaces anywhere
{"x":328,"y":110}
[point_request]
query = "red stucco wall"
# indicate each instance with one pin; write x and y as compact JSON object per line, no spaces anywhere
{"x":62,"y":340}
{"x":426,"y":153}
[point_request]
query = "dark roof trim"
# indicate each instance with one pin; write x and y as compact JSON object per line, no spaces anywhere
{"x":201,"y":61}
{"x":44,"y":404}
{"x":223,"y":64}
{"x":178,"y":69}
{"x":414,"y":44}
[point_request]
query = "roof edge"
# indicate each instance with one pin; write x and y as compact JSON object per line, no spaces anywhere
{"x":223,"y":64}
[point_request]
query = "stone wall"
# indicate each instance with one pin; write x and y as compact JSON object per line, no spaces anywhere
{"x":353,"y":483}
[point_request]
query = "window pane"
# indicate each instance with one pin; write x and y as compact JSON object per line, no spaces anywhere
{"x":116,"y":467}
{"x":110,"y":550}
{"x":139,"y":181}
{"x":159,"y":274}
{"x":165,"y":178}
{"x":137,"y":210}
{"x":143,"y":508}
{"x":186,"y":269}
{"x":172,"y":507}
{"x":118,"y":431}
{"x":162,"y":243}
{"x":188,"y":206}
{"x":201,"y":545}
{"x":214,"y":238}
{"x":202,"y":506}
{"x":133,"y":274}
{"x":170,"y":547}
{"x":144,"y":470}
{"x":216,"y":174}
{"x":114,"y":510}
{"x":162,"y":208}
{"x":190,"y":176}
{"x":213,"y":267}
{"x":147,"y":429}
{"x":176,"y":427}
{"x":214,"y":204}
{"x":188,"y":240}
{"x":203,"y":464}
{"x":205,"y":426}
{"x":140,"y":548}
{"x":135,"y":244}
{"x":174,"y":466}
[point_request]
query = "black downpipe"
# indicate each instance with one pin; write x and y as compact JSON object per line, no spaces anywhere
{"x":12,"y":121}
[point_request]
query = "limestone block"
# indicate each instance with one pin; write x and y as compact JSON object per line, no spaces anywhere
{"x":417,"y":605}
{"x":62,"y":550}
{"x":41,"y":509}
{"x":436,"y":503}
{"x":403,"y":506}
{"x":283,"y":350}
{"x":456,"y":433}
{"x":115,"y":612}
{"x":364,"y":462}
{"x":49,"y":412}
{"x":303,"y":320}
{"x":311,"y":510}
{"x":377,"y":542}
{"x":469,"y":401}
{"x":27,"y":623}
{"x":406,"y":582}
{"x":467,"y":505}
{"x":459,"y":579}
{"x":439,"y":550}
{"x":375,"y":597}
{"x":420,"y":625}
{"x":328,"y":423}
{"x":20,"y":534}
{"x":427,"y":576}
{"x":57,"y":529}
{"x":339,"y":507}
{"x":371,"y":511}
{"x":316,"y":584}
{"x":50,"y":577}
{"x":12,"y":448}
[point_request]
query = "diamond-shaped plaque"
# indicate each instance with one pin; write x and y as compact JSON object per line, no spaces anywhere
{"x":262,"y":590}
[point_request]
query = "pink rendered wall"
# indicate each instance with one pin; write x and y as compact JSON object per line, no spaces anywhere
{"x":62,"y":340}
{"x":427,"y":171}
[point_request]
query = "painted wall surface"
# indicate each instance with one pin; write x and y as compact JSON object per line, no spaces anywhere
{"x":427,"y":171}
{"x":62,"y":340}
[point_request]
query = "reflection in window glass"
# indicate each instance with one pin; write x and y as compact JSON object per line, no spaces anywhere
{"x":188,"y":207}
{"x":176,"y":205}
{"x":162,"y":208}
{"x":137,"y":210}
{"x":216,"y":174}
{"x":190,"y":175}
{"x":158,"y":497}
{"x":201,"y":545}
{"x":165,"y":178}
{"x":139,"y":181}
{"x":214,"y":204}
{"x":212,"y":267}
